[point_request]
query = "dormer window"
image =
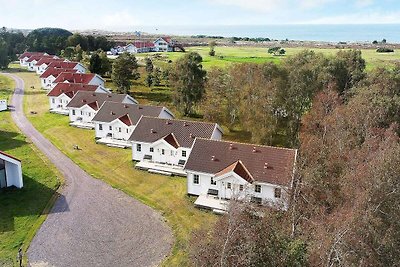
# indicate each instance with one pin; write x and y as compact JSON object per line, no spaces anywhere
{"x":278,"y":192}
{"x":257,"y":188}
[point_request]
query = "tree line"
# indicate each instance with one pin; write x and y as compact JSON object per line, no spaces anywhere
{"x":345,"y":203}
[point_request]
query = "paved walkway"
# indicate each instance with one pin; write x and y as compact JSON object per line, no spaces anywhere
{"x":91,"y":224}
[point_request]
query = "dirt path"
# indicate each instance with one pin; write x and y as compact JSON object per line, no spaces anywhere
{"x":91,"y":224}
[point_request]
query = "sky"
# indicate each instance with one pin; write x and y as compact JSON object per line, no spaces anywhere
{"x":124,"y":15}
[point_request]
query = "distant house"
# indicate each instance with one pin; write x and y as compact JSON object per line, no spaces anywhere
{"x":116,"y":121}
{"x":165,"y":141}
{"x":219,"y":170}
{"x":163,"y":44}
{"x":50,"y":75}
{"x":68,"y":65}
{"x":44,"y":63}
{"x":3,"y":105}
{"x":89,"y":78}
{"x":26,"y":55}
{"x":134,"y":48}
{"x":85,"y":104}
{"x":33,"y":60}
{"x":62,"y":93}
{"x":10,"y":171}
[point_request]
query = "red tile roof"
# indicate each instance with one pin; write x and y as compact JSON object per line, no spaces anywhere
{"x":70,"y":89}
{"x":37,"y":58}
{"x":170,"y":139}
{"x":55,"y":72}
{"x":263,"y":163}
{"x":29,"y":54}
{"x":47,"y":60}
{"x":84,"y":78}
{"x":63,"y":65}
{"x":9,"y":156}
{"x":82,"y":98}
{"x":238,"y":168}
{"x":141,"y":44}
{"x":126,"y":120}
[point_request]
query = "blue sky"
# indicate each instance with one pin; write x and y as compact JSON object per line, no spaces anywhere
{"x":126,"y":15}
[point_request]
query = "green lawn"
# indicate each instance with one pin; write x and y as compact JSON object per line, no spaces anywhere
{"x":22,"y":211}
{"x":227,"y":55}
{"x":114,"y":166}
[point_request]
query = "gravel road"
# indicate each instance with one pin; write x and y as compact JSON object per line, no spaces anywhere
{"x":91,"y":224}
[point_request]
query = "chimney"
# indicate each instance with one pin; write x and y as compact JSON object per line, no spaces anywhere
{"x":152,"y":131}
{"x":167,"y":122}
{"x":254,"y":149}
{"x":83,"y":100}
{"x":94,"y":94}
{"x":112,"y":113}
{"x":109,"y":96}
{"x":265,"y":165}
{"x":213,"y":158}
{"x":230,"y":146}
{"x":185,"y":124}
{"x":125,"y":106}
{"x":191,"y":135}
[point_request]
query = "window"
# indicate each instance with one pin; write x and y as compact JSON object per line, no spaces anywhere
{"x":44,"y":80}
{"x":90,"y":114}
{"x":119,"y":129}
{"x":53,"y":100}
{"x":110,"y":128}
{"x":101,"y":127}
{"x":278,"y":192}
{"x":151,"y":149}
{"x":73,"y":112}
{"x":241,"y":187}
{"x":81,"y":112}
{"x":139,"y":147}
{"x":183,"y":153}
{"x":196,"y":179}
{"x":257,"y":189}
{"x":127,"y":130}
{"x":163,"y":151}
{"x":229,"y":185}
{"x":172,"y":153}
{"x":212,"y":181}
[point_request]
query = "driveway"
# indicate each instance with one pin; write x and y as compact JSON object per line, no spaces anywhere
{"x":91,"y":224}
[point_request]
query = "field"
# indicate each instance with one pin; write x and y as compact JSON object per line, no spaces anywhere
{"x":114,"y":166}
{"x":228,"y":55}
{"x":22,"y":211}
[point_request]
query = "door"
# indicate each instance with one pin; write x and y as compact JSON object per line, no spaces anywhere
{"x":3,"y":179}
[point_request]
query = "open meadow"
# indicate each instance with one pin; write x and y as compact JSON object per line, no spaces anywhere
{"x":23,"y":210}
{"x":115,"y":166}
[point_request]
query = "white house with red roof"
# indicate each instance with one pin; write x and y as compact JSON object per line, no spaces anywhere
{"x":163,"y":44}
{"x":44,"y":63}
{"x":62,"y":94}
{"x":33,"y":60}
{"x":10,"y":171}
{"x":221,"y":170}
{"x":68,"y":65}
{"x":84,"y":106}
{"x":50,"y":75}
{"x":26,"y":55}
{"x":83,"y":78}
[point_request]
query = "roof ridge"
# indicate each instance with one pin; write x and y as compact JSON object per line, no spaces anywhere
{"x":214,"y":123}
{"x":249,"y":144}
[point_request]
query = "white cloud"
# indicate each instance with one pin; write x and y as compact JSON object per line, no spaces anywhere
{"x":364,"y":3}
{"x":120,"y":19}
{"x":360,"y":18}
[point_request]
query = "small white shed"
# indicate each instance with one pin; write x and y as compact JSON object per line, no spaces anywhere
{"x":3,"y":104}
{"x":10,"y":171}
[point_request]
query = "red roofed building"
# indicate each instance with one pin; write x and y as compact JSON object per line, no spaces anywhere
{"x":85,"y":78}
{"x":68,"y":65}
{"x":26,"y":55}
{"x":218,"y":170}
{"x":33,"y":60}
{"x":50,"y":75}
{"x":164,"y":44}
{"x":62,"y":93}
{"x":44,"y":62}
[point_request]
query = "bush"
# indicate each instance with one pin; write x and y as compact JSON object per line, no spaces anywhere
{"x":384,"y":50}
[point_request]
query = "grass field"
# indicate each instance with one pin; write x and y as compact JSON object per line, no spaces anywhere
{"x":114,"y":166}
{"x":228,"y":55}
{"x":22,"y":211}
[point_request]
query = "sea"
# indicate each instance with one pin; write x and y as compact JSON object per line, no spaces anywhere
{"x":298,"y":32}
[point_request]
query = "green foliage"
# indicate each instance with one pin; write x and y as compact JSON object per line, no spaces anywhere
{"x":188,"y":77}
{"x":4,"y":58}
{"x":384,"y":50}
{"x":15,"y":42}
{"x":277,"y":51}
{"x":99,"y":63}
{"x":156,"y":76}
{"x":149,"y":65}
{"x":50,"y":40}
{"x":124,"y":69}
{"x":90,"y":42}
{"x":212,"y":45}
{"x":149,"y":79}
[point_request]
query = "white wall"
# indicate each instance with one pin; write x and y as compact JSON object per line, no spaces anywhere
{"x":80,"y":68}
{"x":85,"y":114}
{"x":14,"y":174}
{"x":267,"y":190}
{"x":31,"y":65}
{"x":171,"y":155}
{"x":47,"y":83}
{"x":3,"y":104}
{"x":59,"y":102}
{"x":97,"y":81}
